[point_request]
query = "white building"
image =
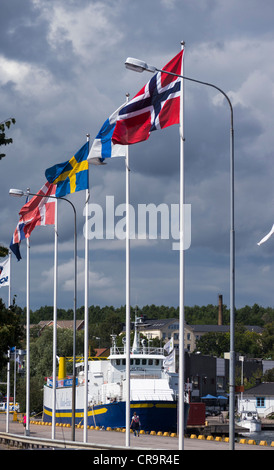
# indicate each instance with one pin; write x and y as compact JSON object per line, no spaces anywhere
{"x":259,"y":398}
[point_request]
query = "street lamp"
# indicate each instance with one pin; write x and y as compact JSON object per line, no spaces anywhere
{"x":140,"y":66}
{"x":20,"y":193}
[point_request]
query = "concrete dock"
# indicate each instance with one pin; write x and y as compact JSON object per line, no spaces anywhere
{"x":115,"y":438}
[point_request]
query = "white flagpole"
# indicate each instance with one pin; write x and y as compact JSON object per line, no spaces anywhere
{"x":86,"y":316}
{"x":9,"y":294}
{"x":127,"y":298}
{"x":181,"y":280}
{"x":54,"y":353}
{"x":8,"y":392}
{"x":27,"y":344}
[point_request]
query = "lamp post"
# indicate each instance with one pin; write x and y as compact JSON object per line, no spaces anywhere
{"x":20,"y":193}
{"x":140,"y":66}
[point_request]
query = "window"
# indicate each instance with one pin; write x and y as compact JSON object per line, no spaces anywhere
{"x":220,"y":382}
{"x":260,"y":402}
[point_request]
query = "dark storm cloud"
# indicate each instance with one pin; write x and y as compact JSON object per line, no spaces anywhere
{"x":62,"y":74}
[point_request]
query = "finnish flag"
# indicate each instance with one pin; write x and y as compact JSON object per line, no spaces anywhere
{"x":102,"y":146}
{"x":5,"y":273}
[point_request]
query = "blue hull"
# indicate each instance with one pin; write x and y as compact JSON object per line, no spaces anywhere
{"x":154,"y":415}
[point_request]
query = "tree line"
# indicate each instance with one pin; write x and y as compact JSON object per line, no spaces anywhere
{"x":196,"y":315}
{"x":104,"y":321}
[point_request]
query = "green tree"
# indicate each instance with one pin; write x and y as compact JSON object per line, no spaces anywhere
{"x":36,"y":394}
{"x":267,"y":338}
{"x":269,"y":376}
{"x":41,"y":349}
{"x":11,"y":330}
{"x":3,"y":251}
{"x":213,"y":344}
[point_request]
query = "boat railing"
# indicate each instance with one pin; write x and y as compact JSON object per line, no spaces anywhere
{"x":141,"y":350}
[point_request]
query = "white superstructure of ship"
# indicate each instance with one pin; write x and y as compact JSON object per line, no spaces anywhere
{"x":153,"y":389}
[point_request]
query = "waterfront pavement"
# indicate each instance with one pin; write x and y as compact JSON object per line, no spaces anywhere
{"x":115,"y":438}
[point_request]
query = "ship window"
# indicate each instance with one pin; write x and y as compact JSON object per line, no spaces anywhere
{"x":144,"y":362}
{"x":150,"y":362}
{"x":117,"y":362}
{"x":156,"y":362}
{"x":137,"y":362}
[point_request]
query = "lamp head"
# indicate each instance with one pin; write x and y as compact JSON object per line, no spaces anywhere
{"x":16,"y":192}
{"x":139,"y":65}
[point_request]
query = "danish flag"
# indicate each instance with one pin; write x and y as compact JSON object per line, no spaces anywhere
{"x":38,"y":211}
{"x":156,"y":106}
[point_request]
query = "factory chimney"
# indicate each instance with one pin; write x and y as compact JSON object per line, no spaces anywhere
{"x":220,"y":311}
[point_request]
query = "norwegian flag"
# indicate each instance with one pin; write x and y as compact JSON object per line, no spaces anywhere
{"x":156,"y":106}
{"x":38,"y":211}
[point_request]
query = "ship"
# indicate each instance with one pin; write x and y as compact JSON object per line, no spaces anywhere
{"x":153,"y":389}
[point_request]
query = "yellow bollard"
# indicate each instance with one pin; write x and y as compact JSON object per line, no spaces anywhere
{"x":62,"y":368}
{"x":251,"y":442}
{"x":263,"y":443}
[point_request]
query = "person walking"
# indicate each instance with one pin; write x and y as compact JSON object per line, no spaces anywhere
{"x":24,"y":422}
{"x":135,"y":424}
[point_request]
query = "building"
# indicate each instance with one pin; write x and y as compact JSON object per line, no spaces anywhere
{"x":165,"y":329}
{"x":259,"y":398}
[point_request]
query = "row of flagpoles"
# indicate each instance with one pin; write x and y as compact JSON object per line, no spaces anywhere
{"x":157,"y":105}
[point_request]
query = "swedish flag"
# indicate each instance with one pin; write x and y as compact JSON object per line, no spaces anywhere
{"x":70,"y":176}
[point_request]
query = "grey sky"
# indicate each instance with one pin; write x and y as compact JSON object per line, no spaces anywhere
{"x":62,"y":74}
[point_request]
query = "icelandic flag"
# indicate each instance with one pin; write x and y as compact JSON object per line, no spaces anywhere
{"x":102,"y":146}
{"x":18,"y":235}
{"x":156,"y":106}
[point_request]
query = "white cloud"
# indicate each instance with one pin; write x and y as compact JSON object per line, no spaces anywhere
{"x":28,"y":79}
{"x":97,"y":280}
{"x":89,"y":29}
